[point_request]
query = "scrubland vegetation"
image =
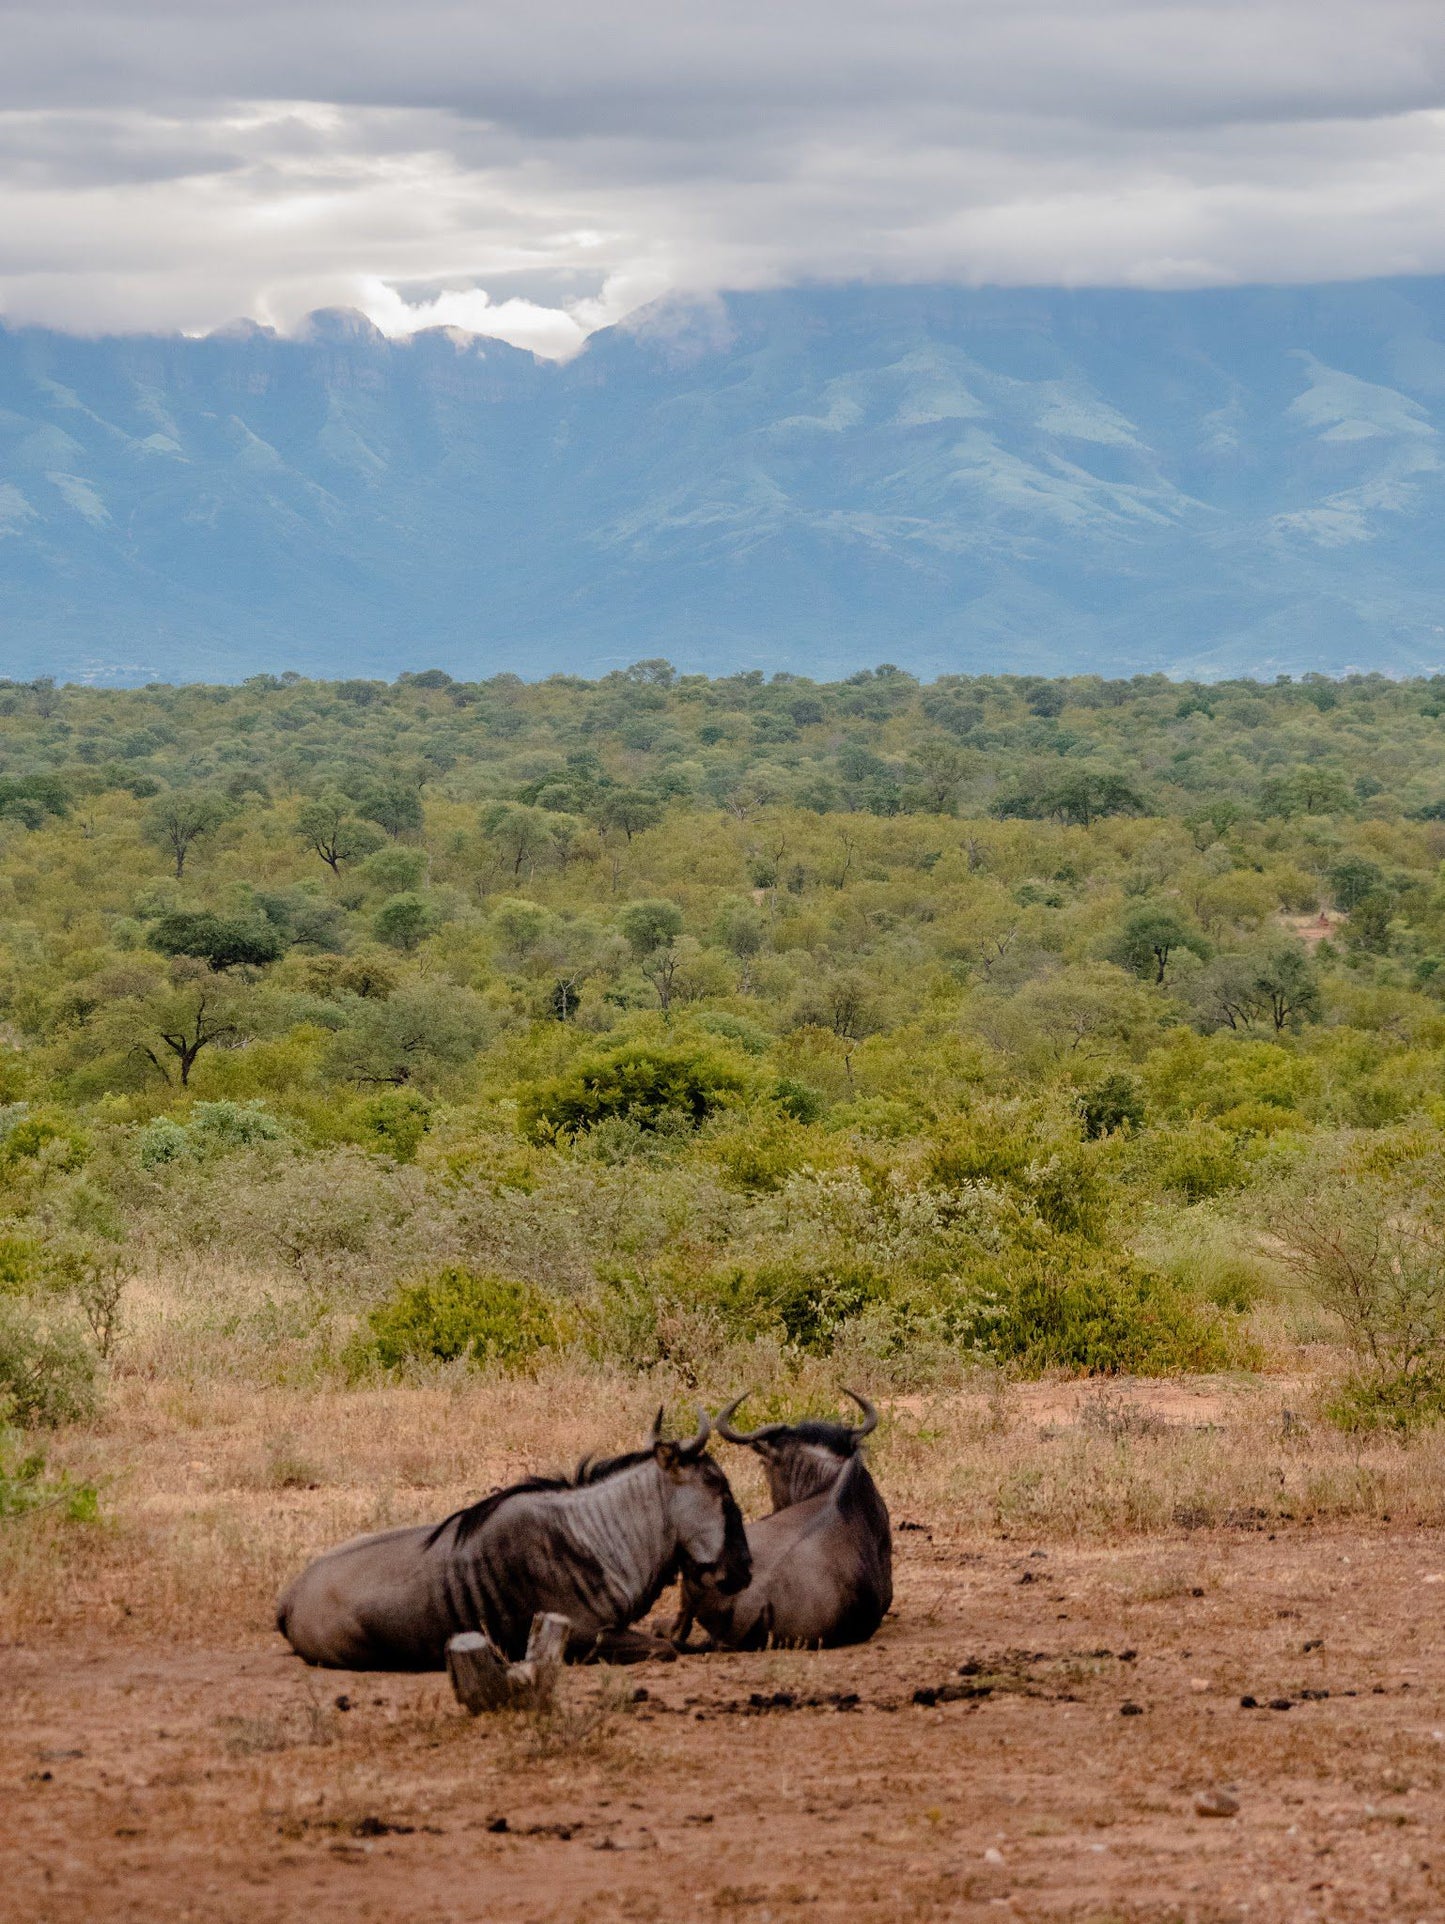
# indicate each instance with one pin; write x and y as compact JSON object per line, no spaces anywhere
{"x":722,"y":1032}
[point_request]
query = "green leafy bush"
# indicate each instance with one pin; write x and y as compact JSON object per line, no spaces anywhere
{"x":27,"y":1484}
{"x":1038,"y":1161}
{"x":47,"y":1370}
{"x":640,"y":1083}
{"x":1111,"y":1106}
{"x":1400,"y":1401}
{"x":20,"y":1263}
{"x":1074,"y":1307}
{"x":459,"y":1313}
{"x":213,"y":1129}
{"x":811,"y":1302}
{"x":395,"y":1122}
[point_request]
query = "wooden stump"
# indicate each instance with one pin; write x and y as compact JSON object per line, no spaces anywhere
{"x":484,"y":1680}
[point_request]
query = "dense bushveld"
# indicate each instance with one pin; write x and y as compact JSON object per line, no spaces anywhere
{"x":723,"y":1027}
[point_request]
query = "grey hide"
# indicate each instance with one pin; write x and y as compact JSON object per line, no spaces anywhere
{"x":822,"y":1561}
{"x":597,"y":1548}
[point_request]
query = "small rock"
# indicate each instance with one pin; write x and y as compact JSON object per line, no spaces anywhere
{"x":1127,"y":1656}
{"x":993,"y":1855}
{"x":1280,"y":1703}
{"x":343,"y":1702}
{"x":1196,"y":1593}
{"x":1199,"y":1685}
{"x":1249,"y":1703}
{"x":497,"y":1825}
{"x":1216,"y":1803}
{"x":1131,"y":1710}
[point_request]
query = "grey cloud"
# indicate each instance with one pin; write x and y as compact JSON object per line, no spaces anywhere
{"x":172,"y":162}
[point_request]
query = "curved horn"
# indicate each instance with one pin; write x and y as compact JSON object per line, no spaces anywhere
{"x":724,"y":1422}
{"x":699,"y":1442}
{"x":656,"y":1434}
{"x":870,"y":1415}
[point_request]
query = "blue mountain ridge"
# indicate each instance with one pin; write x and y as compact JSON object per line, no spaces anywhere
{"x":1242,"y":481}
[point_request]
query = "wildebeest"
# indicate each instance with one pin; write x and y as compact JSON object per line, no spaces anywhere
{"x":822,"y":1561}
{"x":597,"y":1547}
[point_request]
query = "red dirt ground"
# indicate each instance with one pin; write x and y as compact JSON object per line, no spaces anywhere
{"x":219,"y":1781}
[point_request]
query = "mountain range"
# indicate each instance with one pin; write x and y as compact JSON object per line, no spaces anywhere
{"x":1241,"y":481}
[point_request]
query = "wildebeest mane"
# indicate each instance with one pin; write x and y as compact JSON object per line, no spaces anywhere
{"x":841,"y":1438}
{"x":591,"y":1470}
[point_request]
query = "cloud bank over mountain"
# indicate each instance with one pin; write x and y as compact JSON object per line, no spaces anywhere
{"x":538,"y":172}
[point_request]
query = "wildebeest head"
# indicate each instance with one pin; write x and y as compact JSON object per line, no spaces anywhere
{"x":801,"y":1459}
{"x":711,"y":1540}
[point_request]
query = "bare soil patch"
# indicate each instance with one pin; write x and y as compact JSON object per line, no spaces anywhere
{"x":1026,"y":1737}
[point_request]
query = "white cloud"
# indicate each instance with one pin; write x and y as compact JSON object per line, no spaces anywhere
{"x":536,"y":172}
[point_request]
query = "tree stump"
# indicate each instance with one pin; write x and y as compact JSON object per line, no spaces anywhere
{"x":484,"y":1680}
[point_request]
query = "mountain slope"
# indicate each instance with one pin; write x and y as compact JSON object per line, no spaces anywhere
{"x":1219,"y":482}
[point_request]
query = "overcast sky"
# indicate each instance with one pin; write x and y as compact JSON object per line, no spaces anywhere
{"x":533,"y":168}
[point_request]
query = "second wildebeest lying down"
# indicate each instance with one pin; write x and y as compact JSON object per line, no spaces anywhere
{"x":597,"y":1548}
{"x":822,"y":1562}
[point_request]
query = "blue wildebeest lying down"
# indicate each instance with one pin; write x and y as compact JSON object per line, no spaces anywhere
{"x":597,"y":1547}
{"x":823,"y":1560}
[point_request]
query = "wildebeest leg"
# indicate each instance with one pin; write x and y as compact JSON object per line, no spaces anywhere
{"x":630,"y":1646}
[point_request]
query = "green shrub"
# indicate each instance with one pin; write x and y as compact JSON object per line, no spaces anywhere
{"x":1074,"y":1307}
{"x":30,"y":1139}
{"x":395,"y":1122}
{"x":804,"y":1303}
{"x":1196,"y":1161}
{"x":20,"y":1263}
{"x":1401,"y":1401}
{"x":759,"y":1150}
{"x":736,"y":1029}
{"x":797,"y":1100}
{"x":811,"y":1302}
{"x":213,"y":1129}
{"x":27,"y":1485}
{"x":162,"y":1140}
{"x":459,"y":1313}
{"x":1110,"y":1106}
{"x":1039,"y":1163}
{"x":641,"y":1083}
{"x":47,"y":1370}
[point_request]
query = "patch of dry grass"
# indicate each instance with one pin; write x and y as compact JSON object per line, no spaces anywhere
{"x":225,"y":1464}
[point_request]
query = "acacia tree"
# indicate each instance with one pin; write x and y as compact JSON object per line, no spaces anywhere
{"x":522,"y":835}
{"x":394,"y":802}
{"x":176,"y":1027}
{"x":741,"y":931}
{"x":1151,"y":936}
{"x":652,"y":929}
{"x":329,"y":827}
{"x":1286,"y":980}
{"x":630,"y":809}
{"x":174,"y":822}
